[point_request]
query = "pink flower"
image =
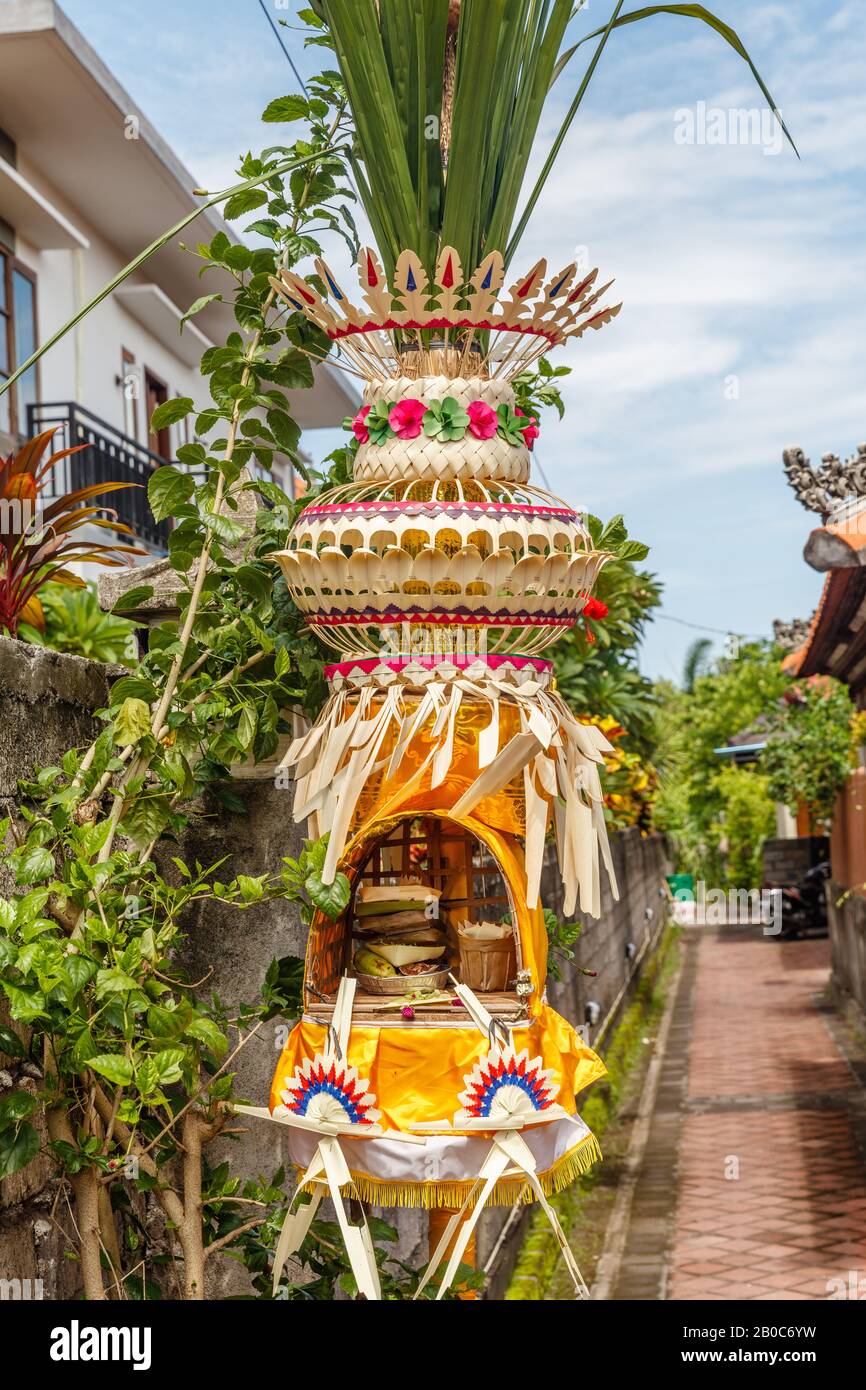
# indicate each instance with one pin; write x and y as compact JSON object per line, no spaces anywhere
{"x":359,"y":429}
{"x":407,"y":1011}
{"x":531,"y":433}
{"x":483,"y":421}
{"x":405,"y":419}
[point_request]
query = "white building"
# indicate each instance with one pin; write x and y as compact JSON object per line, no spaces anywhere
{"x":85,"y":183}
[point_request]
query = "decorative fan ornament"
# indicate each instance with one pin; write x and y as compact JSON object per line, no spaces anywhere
{"x":505,"y":1085}
{"x":329,"y":1092}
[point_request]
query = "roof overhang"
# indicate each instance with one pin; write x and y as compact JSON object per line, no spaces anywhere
{"x":152,"y":307}
{"x":841,"y":542}
{"x":31,"y":214}
{"x":740,"y":752}
{"x":85,"y":135}
{"x":836,"y":645}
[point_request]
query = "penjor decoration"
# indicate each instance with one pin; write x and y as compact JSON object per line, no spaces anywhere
{"x":439,"y":578}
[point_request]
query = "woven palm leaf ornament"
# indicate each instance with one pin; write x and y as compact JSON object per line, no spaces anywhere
{"x":442,"y":575}
{"x":437,"y":580}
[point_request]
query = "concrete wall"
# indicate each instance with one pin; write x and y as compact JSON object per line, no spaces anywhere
{"x":45,"y":705}
{"x":846,"y":913}
{"x":605,"y":946}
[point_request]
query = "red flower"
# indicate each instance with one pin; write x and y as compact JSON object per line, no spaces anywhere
{"x":594,"y":608}
{"x":359,"y":428}
{"x":405,"y":419}
{"x":531,"y":433}
{"x":483,"y":420}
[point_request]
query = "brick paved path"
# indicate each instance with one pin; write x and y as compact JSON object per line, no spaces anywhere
{"x":763,"y":1121}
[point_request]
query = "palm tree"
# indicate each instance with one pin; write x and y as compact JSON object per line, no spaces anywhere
{"x":696,"y":663}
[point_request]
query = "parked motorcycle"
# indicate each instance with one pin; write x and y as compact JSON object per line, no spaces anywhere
{"x":804,"y":906}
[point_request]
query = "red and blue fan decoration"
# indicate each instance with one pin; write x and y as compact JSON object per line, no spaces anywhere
{"x":506,"y":1083}
{"x":329,"y":1091}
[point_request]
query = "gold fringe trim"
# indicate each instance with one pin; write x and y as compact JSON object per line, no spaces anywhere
{"x":509,"y":1192}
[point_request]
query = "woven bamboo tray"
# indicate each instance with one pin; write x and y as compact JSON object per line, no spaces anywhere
{"x":401,"y":984}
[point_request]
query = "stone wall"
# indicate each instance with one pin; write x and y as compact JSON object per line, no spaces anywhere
{"x":46,"y":704}
{"x":615,"y":947}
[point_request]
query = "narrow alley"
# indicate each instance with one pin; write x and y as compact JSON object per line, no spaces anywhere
{"x":751,"y":1184}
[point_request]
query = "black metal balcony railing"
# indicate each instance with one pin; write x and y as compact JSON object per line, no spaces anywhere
{"x":110,"y":456}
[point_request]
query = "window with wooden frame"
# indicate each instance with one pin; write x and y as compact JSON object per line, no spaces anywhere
{"x":18,"y":341}
{"x":156,"y":394}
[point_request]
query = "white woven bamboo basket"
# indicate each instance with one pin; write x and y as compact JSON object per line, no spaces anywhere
{"x":432,"y":459}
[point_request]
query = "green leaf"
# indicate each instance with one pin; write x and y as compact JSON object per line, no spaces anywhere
{"x":146,"y":818}
{"x":218,"y":247}
{"x":204,"y":1030}
{"x":113,"y":1066}
{"x":114,"y":981}
{"x":17,"y":1147}
{"x":377,"y":422}
{"x":294,"y":372}
{"x":225,"y":527}
{"x":286,"y":109}
{"x":133,"y":598}
{"x":247,"y":726}
{"x":34,"y":865}
{"x":255,"y":582}
{"x":168,"y":1024}
{"x":132,"y":722}
{"x":168,"y":1065}
{"x":282,"y":662}
{"x":330,"y":898}
{"x":196,"y":307}
{"x":16,"y":1105}
{"x":25,"y":1005}
{"x":238,"y":257}
{"x":286,"y":431}
{"x":252,"y":889}
{"x":11,"y":1044}
{"x":146,"y":1077}
{"x":167,"y":490}
{"x":170,"y":412}
{"x":243,"y":202}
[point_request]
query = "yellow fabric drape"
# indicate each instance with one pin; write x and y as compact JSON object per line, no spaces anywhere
{"x":417,"y":1073}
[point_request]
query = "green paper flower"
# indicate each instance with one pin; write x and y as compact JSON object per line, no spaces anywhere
{"x":446,"y":420}
{"x":511,"y":425}
{"x":377,"y":423}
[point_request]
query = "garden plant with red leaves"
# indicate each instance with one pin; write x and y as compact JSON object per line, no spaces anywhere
{"x":38,"y":543}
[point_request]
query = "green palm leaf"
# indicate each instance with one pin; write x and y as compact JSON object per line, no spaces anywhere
{"x":392,"y":55}
{"x":616,"y":21}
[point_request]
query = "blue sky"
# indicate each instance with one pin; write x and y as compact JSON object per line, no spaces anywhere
{"x":742,"y":269}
